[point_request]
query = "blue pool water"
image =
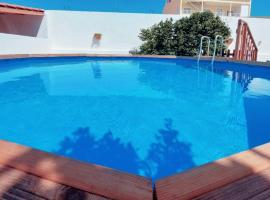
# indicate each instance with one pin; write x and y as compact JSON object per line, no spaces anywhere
{"x":151,"y":117}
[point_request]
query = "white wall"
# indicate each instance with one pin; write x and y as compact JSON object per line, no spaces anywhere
{"x":260,"y":28}
{"x":16,"y":44}
{"x":43,"y":29}
{"x":19,"y":43}
{"x":72,"y":32}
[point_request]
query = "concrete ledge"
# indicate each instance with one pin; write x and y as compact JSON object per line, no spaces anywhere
{"x":206,"y":178}
{"x":88,"y":177}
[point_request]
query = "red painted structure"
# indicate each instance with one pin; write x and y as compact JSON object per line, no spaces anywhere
{"x":22,"y":10}
{"x":20,"y":20}
{"x":246,"y":48}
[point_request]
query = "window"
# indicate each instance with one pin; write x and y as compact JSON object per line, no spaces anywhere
{"x":219,"y":12}
{"x":187,"y":11}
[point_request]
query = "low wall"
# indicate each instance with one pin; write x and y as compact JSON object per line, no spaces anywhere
{"x":73,"y":32}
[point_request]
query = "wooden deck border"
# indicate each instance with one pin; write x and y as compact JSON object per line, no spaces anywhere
{"x":88,"y":177}
{"x":206,"y":178}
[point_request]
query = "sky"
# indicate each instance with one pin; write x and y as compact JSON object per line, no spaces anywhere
{"x":140,"y":6}
{"x":259,"y":8}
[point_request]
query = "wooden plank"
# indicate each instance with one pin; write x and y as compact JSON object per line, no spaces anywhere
{"x":214,"y":175}
{"x":256,"y":186}
{"x":88,"y":177}
{"x":262,"y":196}
{"x":17,"y":194}
{"x":15,"y":184}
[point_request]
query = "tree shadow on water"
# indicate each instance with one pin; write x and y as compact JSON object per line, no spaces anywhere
{"x":165,"y":157}
{"x":168,"y":155}
{"x":107,"y":151}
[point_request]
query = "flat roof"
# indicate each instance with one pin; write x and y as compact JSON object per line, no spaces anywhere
{"x":21,"y":10}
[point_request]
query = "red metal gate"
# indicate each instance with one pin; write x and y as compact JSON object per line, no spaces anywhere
{"x":246,"y":48}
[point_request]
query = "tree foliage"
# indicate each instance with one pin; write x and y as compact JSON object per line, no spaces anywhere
{"x":182,"y":37}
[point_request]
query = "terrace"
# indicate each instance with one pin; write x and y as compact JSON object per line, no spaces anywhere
{"x":83,"y":119}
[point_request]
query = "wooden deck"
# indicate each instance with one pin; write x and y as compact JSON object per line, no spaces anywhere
{"x":254,"y":187}
{"x":216,"y":175}
{"x":18,"y":185}
{"x":94,"y":179}
{"x":31,"y":174}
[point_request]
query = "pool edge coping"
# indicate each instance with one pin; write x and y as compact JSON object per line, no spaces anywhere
{"x":214,"y":175}
{"x":15,"y":56}
{"x":91,"y":178}
{"x":120,"y":185}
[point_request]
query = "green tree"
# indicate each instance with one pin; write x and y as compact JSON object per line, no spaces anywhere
{"x":158,"y":39}
{"x":182,"y":37}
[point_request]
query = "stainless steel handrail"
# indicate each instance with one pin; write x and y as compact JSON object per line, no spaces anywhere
{"x":201,"y":44}
{"x":215,"y":48}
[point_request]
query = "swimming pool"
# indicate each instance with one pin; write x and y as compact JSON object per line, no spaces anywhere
{"x":150,"y":117}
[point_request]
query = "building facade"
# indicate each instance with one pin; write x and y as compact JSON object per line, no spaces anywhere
{"x":237,"y":8}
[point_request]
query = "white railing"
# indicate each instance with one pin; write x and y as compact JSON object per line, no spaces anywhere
{"x":217,"y":38}
{"x":201,"y":46}
{"x":215,"y":47}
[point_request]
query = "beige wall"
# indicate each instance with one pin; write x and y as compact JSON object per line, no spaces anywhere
{"x":173,"y":7}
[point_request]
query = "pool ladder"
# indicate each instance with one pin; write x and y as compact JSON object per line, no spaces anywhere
{"x":217,"y":38}
{"x":201,"y":46}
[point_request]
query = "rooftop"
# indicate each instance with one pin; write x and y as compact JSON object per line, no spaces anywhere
{"x":15,"y":9}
